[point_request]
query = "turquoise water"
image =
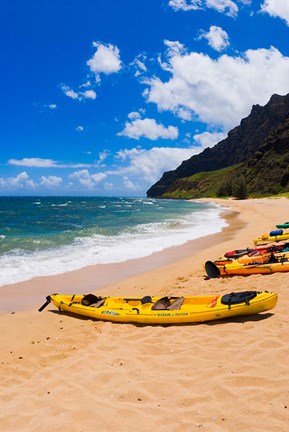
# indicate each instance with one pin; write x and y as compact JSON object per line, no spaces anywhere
{"x":51,"y":235}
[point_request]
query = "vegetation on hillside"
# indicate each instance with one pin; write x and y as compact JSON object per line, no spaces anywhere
{"x":265,"y":173}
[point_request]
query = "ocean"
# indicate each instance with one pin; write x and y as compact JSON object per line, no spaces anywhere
{"x":41,"y":236}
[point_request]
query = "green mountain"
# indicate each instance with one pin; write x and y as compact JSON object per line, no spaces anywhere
{"x":254,"y":157}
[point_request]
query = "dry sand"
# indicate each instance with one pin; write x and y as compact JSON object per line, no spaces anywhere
{"x":64,"y":373}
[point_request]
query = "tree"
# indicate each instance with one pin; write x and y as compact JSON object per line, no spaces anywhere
{"x":239,"y":188}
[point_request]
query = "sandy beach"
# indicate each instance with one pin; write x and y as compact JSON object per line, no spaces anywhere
{"x":64,"y":373}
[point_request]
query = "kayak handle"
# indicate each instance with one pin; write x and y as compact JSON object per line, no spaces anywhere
{"x":48,"y":300}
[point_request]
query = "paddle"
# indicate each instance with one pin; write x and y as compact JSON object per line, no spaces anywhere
{"x":212,"y":270}
{"x":48,"y":300}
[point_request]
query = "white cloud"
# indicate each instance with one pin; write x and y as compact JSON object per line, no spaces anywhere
{"x":148,"y":128}
{"x":277,"y":8}
{"x":129,"y":185}
{"x":184,"y":113}
{"x":140,"y":168}
{"x":209,"y":139}
{"x":174,"y":48}
{"x":102,"y":156}
{"x":80,"y":96}
{"x":86,"y":84}
{"x":106,"y":60}
{"x":228,"y":7}
{"x":86,"y":179}
{"x":108,"y":186}
{"x":21,"y":181}
{"x":33,"y":162}
{"x":45,"y":163}
{"x":69,"y":92}
{"x":80,"y":128}
{"x":220,"y":91}
{"x":145,"y":167}
{"x":134,"y":115}
{"x":139,"y":64}
{"x":186,"y":5}
{"x":88,"y":94}
{"x":217,"y":38}
{"x":52,"y":106}
{"x":50,"y":181}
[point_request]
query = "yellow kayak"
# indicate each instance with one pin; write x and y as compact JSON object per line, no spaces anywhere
{"x":266,"y":238}
{"x":164,"y":310}
{"x":237,"y":268}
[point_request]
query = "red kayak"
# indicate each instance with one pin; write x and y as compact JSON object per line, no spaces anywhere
{"x":237,"y":253}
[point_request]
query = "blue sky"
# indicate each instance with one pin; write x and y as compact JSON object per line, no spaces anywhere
{"x":100,"y":97}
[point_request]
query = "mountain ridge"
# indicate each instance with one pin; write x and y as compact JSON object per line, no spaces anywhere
{"x":241,"y":146}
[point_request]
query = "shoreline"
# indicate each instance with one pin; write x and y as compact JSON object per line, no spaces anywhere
{"x":122,"y":238}
{"x":28,"y":294}
{"x":110,"y":279}
{"x":60,"y":371}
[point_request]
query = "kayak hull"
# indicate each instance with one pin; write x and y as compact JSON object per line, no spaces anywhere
{"x":194,"y":309}
{"x":249,"y":269}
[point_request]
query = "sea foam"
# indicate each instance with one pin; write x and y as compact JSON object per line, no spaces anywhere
{"x":133,"y":242}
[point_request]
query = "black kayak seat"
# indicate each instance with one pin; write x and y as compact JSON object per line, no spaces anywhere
{"x":146,"y":299}
{"x":90,"y":299}
{"x":239,"y":297}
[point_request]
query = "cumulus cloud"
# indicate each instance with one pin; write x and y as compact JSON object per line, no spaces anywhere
{"x":88,"y":94}
{"x":102,"y":156}
{"x":174,"y":48}
{"x":80,"y":95}
{"x":209,"y":139}
{"x":69,"y":92}
{"x":134,"y":115}
{"x":145,"y":167}
{"x":129,"y":185}
{"x":217,"y":38}
{"x":219,"y":91}
{"x":52,"y":106}
{"x":277,"y":8}
{"x":106,"y":60}
{"x":148,"y":128}
{"x":86,"y":179}
{"x":50,"y":181}
{"x":21,"y":181}
{"x":228,"y":7}
{"x":186,"y":5}
{"x":139,"y":168}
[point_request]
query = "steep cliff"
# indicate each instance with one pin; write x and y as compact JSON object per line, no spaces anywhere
{"x":239,"y":147}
